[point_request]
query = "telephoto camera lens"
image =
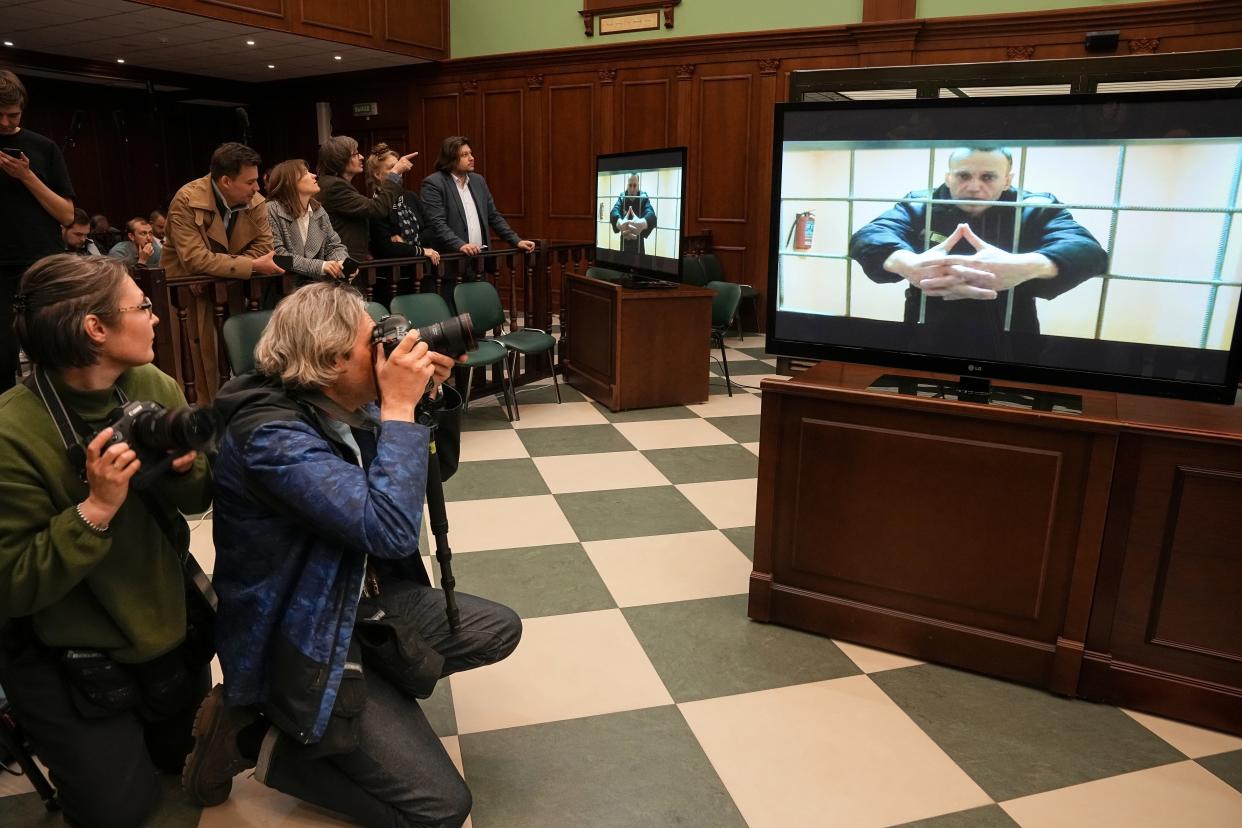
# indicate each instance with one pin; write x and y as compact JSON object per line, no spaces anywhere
{"x":452,"y":337}
{"x":179,"y":430}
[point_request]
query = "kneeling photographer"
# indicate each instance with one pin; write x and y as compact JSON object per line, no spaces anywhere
{"x":94,"y":652}
{"x":329,"y":629}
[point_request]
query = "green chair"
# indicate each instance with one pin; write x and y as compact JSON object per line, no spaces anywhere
{"x":715,"y":273}
{"x":425,"y":308}
{"x":376,"y":310}
{"x":724,"y":308}
{"x":692,"y":272}
{"x":241,"y":335}
{"x":482,"y":302}
{"x":604,"y":274}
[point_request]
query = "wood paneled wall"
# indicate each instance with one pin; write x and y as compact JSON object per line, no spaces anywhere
{"x":538,"y":120}
{"x":408,"y":27}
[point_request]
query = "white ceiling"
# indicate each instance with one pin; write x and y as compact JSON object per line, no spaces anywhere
{"x":105,"y":30}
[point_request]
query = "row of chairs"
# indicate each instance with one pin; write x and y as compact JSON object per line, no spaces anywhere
{"x":479,"y":299}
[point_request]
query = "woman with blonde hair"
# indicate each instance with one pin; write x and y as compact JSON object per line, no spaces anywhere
{"x":395,"y":236}
{"x":300,"y":226}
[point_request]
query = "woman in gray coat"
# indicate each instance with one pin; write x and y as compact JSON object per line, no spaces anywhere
{"x":300,"y":226}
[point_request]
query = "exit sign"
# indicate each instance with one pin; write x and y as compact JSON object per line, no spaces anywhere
{"x":366,"y":110}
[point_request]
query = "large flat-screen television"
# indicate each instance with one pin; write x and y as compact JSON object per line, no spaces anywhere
{"x":1086,"y":240}
{"x":639,"y":198}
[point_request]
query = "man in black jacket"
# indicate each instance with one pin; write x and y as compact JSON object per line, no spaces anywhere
{"x":968,"y":256}
{"x":36,"y":201}
{"x":458,"y":205}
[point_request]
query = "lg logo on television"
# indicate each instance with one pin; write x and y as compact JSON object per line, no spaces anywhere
{"x":974,"y":368}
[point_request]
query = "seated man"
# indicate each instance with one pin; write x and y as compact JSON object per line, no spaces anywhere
{"x":633,"y":217}
{"x":319,"y":504}
{"x":139,"y":247}
{"x":77,"y":236}
{"x":159,"y":222}
{"x":967,"y":255}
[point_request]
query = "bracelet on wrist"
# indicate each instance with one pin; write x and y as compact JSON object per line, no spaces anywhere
{"x":94,"y":527}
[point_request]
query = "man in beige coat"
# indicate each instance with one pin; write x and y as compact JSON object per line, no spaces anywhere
{"x":217,"y":226}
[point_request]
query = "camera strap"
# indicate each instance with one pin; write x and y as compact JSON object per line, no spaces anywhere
{"x":74,"y":433}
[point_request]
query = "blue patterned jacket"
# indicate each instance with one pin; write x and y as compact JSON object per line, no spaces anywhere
{"x":296,"y":517}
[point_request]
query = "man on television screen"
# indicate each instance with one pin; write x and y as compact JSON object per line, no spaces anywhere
{"x":966,"y":259}
{"x":633,"y":217}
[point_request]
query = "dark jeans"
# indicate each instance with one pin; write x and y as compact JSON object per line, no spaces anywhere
{"x":10,"y":276}
{"x":105,"y":770}
{"x":400,"y":775}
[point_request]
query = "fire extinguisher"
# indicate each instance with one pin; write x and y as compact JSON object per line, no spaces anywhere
{"x":802,"y":233}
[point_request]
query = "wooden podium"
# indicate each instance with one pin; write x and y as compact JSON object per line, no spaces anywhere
{"x":631,"y":348}
{"x":1097,"y":555}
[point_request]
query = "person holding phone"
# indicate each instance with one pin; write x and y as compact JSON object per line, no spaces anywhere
{"x":36,"y":202}
{"x":301,"y":229}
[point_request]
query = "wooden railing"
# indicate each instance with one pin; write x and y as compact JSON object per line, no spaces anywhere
{"x":529,"y":285}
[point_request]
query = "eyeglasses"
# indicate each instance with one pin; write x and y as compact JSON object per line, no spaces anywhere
{"x":145,"y":306}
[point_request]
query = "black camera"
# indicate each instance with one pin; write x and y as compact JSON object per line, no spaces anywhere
{"x":157,"y":434}
{"x":452,"y":337}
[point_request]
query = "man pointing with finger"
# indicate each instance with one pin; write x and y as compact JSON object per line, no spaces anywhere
{"x":969,"y":256}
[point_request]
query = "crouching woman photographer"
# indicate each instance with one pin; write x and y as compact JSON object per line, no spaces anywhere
{"x":93,"y":647}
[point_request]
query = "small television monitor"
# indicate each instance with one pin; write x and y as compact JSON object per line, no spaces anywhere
{"x":1086,"y":240}
{"x":639,"y":198}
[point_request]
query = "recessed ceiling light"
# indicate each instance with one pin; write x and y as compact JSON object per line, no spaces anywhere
{"x":271,"y":66}
{"x":336,"y":57}
{"x":8,"y":43}
{"x":120,"y":60}
{"x":249,"y":42}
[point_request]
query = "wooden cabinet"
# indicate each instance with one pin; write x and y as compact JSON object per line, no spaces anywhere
{"x":1095,"y":554}
{"x":632,"y":348}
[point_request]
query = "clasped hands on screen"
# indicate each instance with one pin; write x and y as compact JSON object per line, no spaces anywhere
{"x":981,"y":275}
{"x":632,"y":227}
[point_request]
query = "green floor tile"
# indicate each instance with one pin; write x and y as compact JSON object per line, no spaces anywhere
{"x":644,"y":415}
{"x":629,"y":513}
{"x":26,"y":811}
{"x":709,"y":648}
{"x":743,"y":538}
{"x":485,"y":418}
{"x":589,"y":439}
{"x":541,"y":394}
{"x":534,"y":581}
{"x":704,"y":463}
{"x":744,"y":367}
{"x":1227,"y":766}
{"x":1015,"y":741}
{"x":989,"y":816}
{"x":641,"y":768}
{"x":756,"y":353}
{"x":495,"y":478}
{"x":438,"y":708}
{"x":744,"y":428}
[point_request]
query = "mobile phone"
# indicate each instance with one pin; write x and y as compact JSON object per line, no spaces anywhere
{"x":283,"y":262}
{"x":15,"y":153}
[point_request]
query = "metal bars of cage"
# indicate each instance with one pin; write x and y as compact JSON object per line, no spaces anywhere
{"x":1114,"y":214}
{"x":927,"y":234}
{"x":849,"y":229}
{"x":1221,"y":251}
{"x":1017,"y":232}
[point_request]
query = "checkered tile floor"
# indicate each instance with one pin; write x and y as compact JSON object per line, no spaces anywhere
{"x":642,"y":696}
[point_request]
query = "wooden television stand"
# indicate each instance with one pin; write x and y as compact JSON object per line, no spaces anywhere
{"x":1095,"y":554}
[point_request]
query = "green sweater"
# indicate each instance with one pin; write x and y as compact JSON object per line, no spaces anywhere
{"x":123,"y":591}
